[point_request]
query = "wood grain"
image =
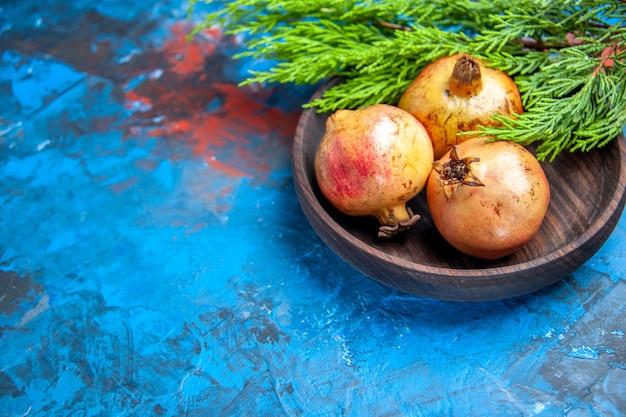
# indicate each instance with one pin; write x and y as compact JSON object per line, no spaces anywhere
{"x":587,"y":200}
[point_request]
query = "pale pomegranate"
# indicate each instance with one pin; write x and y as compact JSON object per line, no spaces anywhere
{"x":458,"y":93}
{"x":371,"y":161}
{"x":487,"y":198}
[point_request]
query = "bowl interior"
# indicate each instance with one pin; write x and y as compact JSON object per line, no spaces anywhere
{"x":582,"y":186}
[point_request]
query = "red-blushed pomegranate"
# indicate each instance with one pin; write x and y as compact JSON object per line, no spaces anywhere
{"x":458,"y":93}
{"x":487,"y":198}
{"x":371,"y":161}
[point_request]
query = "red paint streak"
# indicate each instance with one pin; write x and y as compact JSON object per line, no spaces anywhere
{"x":219,"y":121}
{"x":225,"y":168}
{"x":225,"y":134}
{"x":177,"y":91}
{"x":188,"y":57}
{"x":132,"y":97}
{"x":254,"y":115}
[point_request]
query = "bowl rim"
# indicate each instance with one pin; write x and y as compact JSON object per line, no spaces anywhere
{"x":439,"y":273}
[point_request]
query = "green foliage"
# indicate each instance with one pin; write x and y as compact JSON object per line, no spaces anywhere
{"x":567,"y":57}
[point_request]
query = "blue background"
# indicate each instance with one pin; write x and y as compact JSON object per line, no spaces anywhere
{"x":154,"y":259}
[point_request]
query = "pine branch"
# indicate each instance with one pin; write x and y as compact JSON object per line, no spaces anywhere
{"x":590,"y":118}
{"x":566,"y":57}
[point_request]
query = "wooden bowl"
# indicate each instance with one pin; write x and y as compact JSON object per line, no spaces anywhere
{"x":587,"y":200}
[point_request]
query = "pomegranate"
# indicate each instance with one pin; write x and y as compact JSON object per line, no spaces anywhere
{"x":371,"y":161}
{"x":458,"y":93}
{"x":487,"y":198}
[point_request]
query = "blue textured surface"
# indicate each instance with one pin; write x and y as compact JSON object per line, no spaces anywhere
{"x":154,"y":259}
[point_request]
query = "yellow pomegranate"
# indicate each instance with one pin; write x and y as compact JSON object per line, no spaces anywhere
{"x":372,"y":161}
{"x":458,"y":93}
